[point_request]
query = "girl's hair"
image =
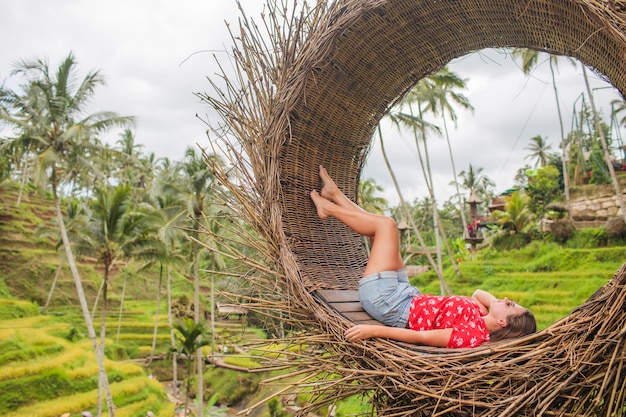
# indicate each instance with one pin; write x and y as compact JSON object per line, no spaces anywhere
{"x":517,"y":326}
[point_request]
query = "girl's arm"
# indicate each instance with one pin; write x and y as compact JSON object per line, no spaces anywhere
{"x":438,"y":338}
{"x":483,"y":299}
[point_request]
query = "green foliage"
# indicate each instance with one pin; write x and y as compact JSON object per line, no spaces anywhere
{"x":543,"y":188}
{"x":599,"y":172}
{"x":116,"y":352}
{"x":356,"y":405}
{"x":241,"y":361}
{"x":73,"y":334}
{"x":589,"y":239}
{"x":508,"y":242}
{"x":12,"y":309}
{"x":189,"y":336}
{"x":4,"y":289}
{"x":17,"y":349}
{"x":459,"y":249}
{"x":516,"y":215}
{"x":231,"y":387}
{"x":210,"y":409}
{"x":368,"y":199}
{"x":53,"y":383}
{"x":275,"y":409}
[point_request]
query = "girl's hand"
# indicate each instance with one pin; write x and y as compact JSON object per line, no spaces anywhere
{"x":438,"y":337}
{"x":361,"y":332}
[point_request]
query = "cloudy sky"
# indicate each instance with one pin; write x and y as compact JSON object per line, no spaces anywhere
{"x":155,"y":54}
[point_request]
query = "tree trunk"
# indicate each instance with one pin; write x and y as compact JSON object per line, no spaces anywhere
{"x":83,"y":304}
{"x":406,"y":211}
{"x":119,"y":315}
{"x":605,"y":148}
{"x":564,"y":154}
{"x":188,"y":390}
{"x":456,"y":183}
{"x":103,"y":324}
{"x":170,"y":321}
{"x":437,"y":225}
{"x":22,"y":182}
{"x":196,"y":290}
{"x":156,"y":316}
{"x":54,"y":283}
{"x":95,"y":302}
{"x":212,"y":314}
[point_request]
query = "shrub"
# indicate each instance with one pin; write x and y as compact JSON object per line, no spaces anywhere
{"x":231,"y":386}
{"x":616,"y":228}
{"x":116,"y":352}
{"x":588,"y":239}
{"x":12,"y":309}
{"x":53,"y":383}
{"x":506,"y":242}
{"x":563,"y":230}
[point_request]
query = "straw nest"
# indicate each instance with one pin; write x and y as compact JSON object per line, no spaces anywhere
{"x":307,"y":87}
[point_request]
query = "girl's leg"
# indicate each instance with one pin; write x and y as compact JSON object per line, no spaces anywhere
{"x":384,"y":291}
{"x":331,"y":192}
{"x":384,"y":255}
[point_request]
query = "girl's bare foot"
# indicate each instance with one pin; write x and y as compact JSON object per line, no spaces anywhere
{"x":330,"y":189}
{"x":320,"y":204}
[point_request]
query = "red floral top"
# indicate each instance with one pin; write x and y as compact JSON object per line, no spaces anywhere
{"x":461,"y":314}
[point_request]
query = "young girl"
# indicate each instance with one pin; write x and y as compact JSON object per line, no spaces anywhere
{"x":408,"y":315}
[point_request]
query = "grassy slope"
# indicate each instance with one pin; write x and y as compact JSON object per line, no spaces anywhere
{"x":44,"y":357}
{"x":46,"y":363}
{"x":548,"y":279}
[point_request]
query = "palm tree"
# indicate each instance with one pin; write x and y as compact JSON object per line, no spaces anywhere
{"x":617,"y":108}
{"x":48,"y":121}
{"x":191,"y":339}
{"x":77,"y":217}
{"x":423,"y":94}
{"x":516,"y":214}
{"x":444,"y":84}
{"x":129,"y":159}
{"x":539,"y":149}
{"x":405,"y":208}
{"x":530,"y":59}
{"x":474,"y":181}
{"x":116,"y":229}
{"x":607,"y":157}
{"x":367,"y":198}
{"x":171,"y":235}
{"x":192,"y":187}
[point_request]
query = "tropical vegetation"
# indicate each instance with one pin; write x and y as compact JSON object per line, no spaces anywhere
{"x":92,"y":228}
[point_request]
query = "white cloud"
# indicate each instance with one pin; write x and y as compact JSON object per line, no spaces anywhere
{"x":510,"y":108}
{"x":156,"y":54}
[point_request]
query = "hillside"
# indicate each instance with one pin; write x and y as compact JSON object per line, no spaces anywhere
{"x":549,"y":279}
{"x":47,"y":364}
{"x":29,"y":260}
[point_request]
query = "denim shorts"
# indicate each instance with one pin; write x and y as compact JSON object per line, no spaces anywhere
{"x":387,"y":296}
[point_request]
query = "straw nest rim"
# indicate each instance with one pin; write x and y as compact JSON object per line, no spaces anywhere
{"x":310,"y":86}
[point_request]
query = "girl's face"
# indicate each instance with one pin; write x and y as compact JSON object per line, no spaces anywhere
{"x":504,"y":308}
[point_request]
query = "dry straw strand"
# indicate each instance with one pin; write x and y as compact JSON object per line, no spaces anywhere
{"x":308,"y":87}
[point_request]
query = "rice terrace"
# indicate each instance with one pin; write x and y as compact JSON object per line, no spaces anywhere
{"x":132,"y":285}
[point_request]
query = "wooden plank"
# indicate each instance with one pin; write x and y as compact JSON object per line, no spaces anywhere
{"x":335,"y":296}
{"x":359,"y":317}
{"x":347,"y":307}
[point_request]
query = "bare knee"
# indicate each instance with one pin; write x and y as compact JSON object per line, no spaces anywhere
{"x":388,"y":223}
